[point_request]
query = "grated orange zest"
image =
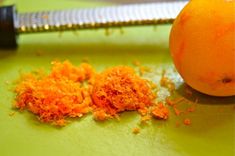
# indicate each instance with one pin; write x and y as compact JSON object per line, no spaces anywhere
{"x":56,"y":96}
{"x":119,"y":89}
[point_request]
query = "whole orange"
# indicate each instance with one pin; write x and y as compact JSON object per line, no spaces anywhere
{"x":202,"y":45}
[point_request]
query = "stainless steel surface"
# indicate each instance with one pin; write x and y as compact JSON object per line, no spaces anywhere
{"x":115,"y":16}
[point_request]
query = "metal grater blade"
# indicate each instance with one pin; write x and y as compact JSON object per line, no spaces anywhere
{"x":104,"y":17}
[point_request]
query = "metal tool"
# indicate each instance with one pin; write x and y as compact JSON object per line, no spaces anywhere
{"x":12,"y":23}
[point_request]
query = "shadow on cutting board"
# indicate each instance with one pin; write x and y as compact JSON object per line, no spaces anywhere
{"x":203,"y":98}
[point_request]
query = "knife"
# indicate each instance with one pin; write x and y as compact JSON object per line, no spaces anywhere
{"x":12,"y":23}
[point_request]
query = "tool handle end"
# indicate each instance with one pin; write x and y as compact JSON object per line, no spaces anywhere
{"x":8,"y":34}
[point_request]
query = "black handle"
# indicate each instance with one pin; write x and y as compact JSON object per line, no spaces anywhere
{"x":8,"y":34}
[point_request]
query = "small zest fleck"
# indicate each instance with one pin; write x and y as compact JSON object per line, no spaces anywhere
{"x":143,"y":70}
{"x":160,"y":111}
{"x":177,"y":124}
{"x":191,"y":109}
{"x":170,"y":102}
{"x":136,"y":63}
{"x":177,"y":111}
{"x":136,"y":130}
{"x":145,"y":118}
{"x":12,"y":113}
{"x":174,"y":103}
{"x":45,"y":16}
{"x":187,"y":122}
{"x":100,"y":115}
{"x":166,"y":82}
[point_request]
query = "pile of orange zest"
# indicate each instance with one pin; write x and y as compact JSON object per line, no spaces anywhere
{"x":56,"y":96}
{"x":187,"y":122}
{"x":160,"y":111}
{"x":119,"y":89}
{"x":69,"y":91}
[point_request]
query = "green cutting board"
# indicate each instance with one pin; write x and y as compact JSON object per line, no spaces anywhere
{"x":212,"y":131}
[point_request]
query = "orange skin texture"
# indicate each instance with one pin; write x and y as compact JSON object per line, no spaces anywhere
{"x":202,"y":45}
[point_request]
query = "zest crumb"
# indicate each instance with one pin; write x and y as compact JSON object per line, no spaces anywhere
{"x":174,"y":103}
{"x":45,"y":16}
{"x":178,"y":100}
{"x":166,"y":82}
{"x":60,"y":122}
{"x":145,"y":118}
{"x":177,"y":124}
{"x":191,"y":109}
{"x":85,"y":60}
{"x":177,"y":111}
{"x":136,"y":63}
{"x":136,"y":130}
{"x":100,"y":115}
{"x":187,"y":121}
{"x":120,"y":89}
{"x":143,"y":111}
{"x":12,"y":113}
{"x":143,"y":70}
{"x":170,"y":102}
{"x":160,"y":111}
